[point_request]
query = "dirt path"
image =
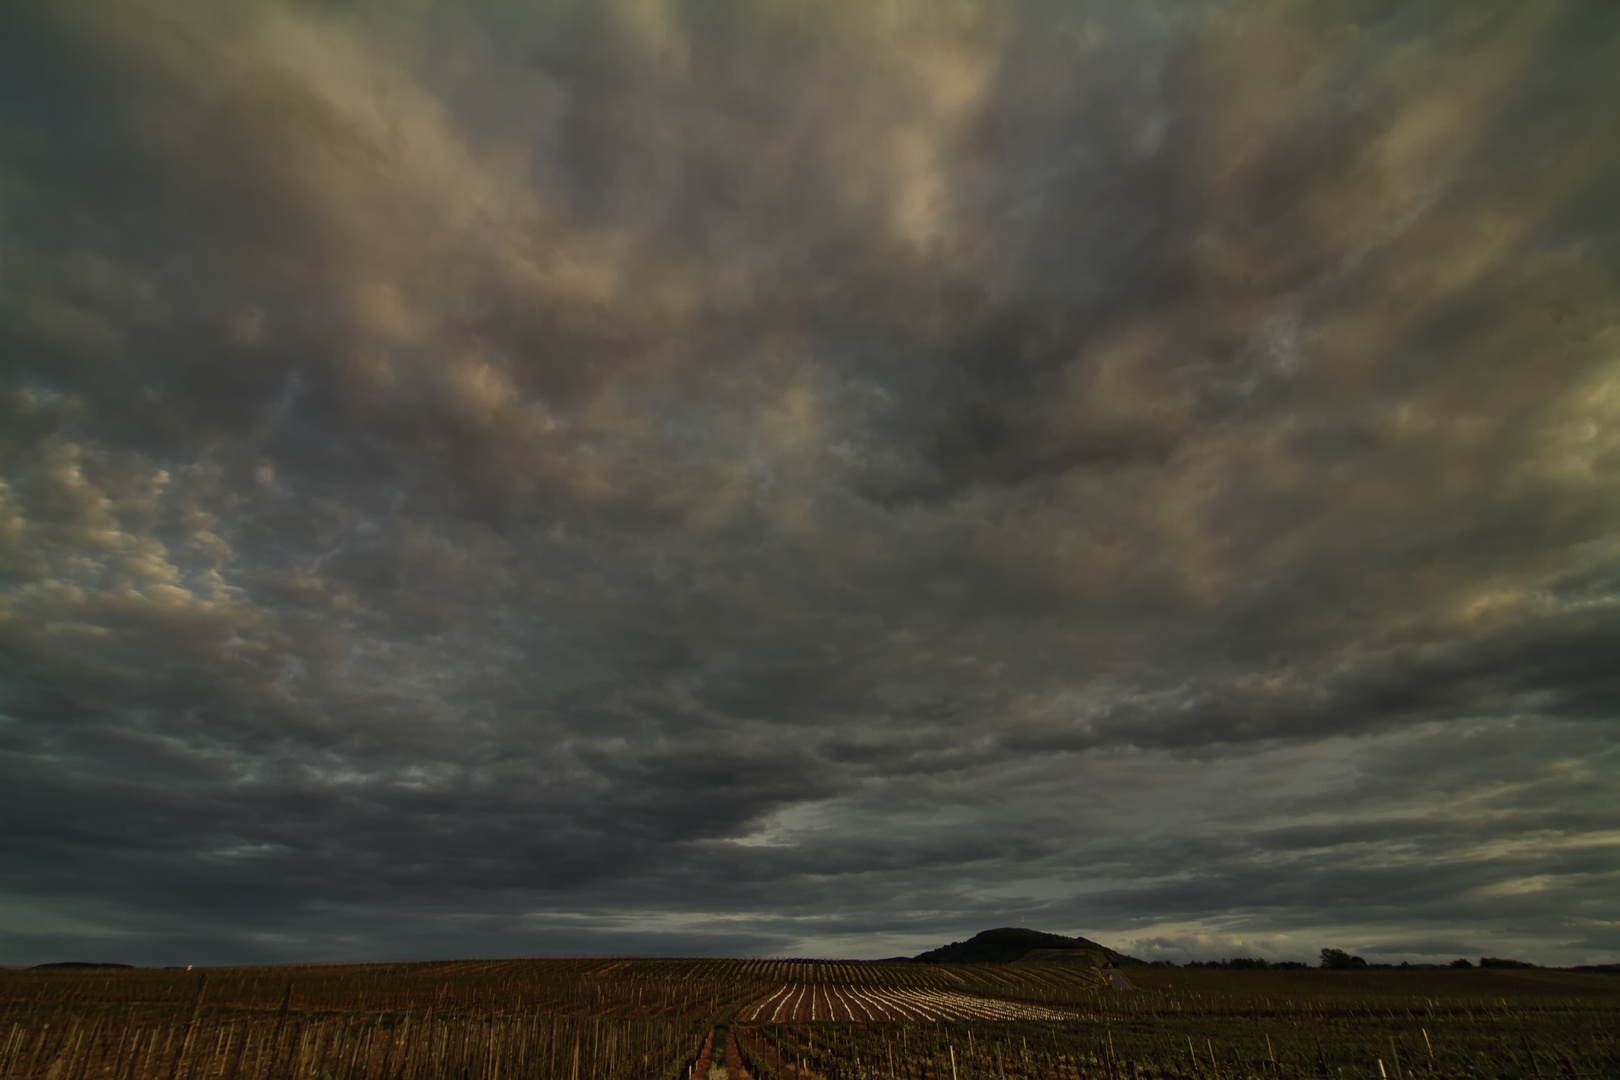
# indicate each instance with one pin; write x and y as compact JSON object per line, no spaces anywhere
{"x":1117,"y":979}
{"x":734,"y":1061}
{"x":700,"y":1071}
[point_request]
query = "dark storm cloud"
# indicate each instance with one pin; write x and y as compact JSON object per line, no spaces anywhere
{"x":807,"y":477}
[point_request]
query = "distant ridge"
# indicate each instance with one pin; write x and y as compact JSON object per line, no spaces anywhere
{"x":79,"y":964}
{"x":1012,"y":944}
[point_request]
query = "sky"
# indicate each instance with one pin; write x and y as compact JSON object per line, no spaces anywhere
{"x":808,"y":478}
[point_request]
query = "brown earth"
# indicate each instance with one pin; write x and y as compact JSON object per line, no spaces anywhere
{"x":700,"y":1071}
{"x":734,"y":1061}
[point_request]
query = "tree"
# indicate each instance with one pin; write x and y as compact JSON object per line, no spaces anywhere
{"x":1338,"y":960}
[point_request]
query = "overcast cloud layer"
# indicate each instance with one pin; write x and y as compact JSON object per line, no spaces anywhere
{"x":792,"y":477}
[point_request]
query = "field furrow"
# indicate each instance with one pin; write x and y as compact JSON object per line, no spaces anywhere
{"x":818,"y":1003}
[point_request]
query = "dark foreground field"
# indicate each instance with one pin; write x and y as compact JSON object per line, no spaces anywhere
{"x":787,"y":1020}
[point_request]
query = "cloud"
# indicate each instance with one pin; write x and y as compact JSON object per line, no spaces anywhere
{"x":806,"y":477}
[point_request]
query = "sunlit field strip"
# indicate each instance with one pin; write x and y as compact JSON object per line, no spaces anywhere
{"x":865,"y":1004}
{"x":774,"y":1002}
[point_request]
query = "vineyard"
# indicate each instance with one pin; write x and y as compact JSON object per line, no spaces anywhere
{"x":798,"y":1020}
{"x":815,"y":1002}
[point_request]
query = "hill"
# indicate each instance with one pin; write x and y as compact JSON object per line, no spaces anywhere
{"x":1011,"y":944}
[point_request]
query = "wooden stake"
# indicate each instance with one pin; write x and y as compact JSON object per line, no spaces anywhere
{"x":191,"y":1028}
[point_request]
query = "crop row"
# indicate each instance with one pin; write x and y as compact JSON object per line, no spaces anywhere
{"x":250,"y":1047}
{"x":76,"y":1044}
{"x":630,"y":989}
{"x":821,"y":1001}
{"x":647,"y":1020}
{"x":1085,"y":1051}
{"x":723,"y":989}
